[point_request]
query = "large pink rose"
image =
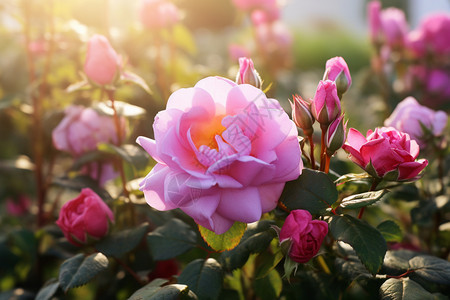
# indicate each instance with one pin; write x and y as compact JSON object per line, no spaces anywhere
{"x":409,"y":115}
{"x":385,"y":152}
{"x":224,"y":153}
{"x":305,"y":234}
{"x":102,"y":64}
{"x":85,"y":216}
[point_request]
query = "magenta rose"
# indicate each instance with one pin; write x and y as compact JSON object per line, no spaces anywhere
{"x":385,"y":153}
{"x":83,"y":217}
{"x":102,"y":64}
{"x":409,"y":115}
{"x":224,"y":152}
{"x":305,"y":235}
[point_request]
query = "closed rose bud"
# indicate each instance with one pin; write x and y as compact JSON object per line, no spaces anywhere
{"x":301,"y":115}
{"x":335,"y":135}
{"x":102,"y":65}
{"x":336,"y":69}
{"x":305,"y":235}
{"x":247,"y":73}
{"x":86,"y":216}
{"x":326,"y":106}
{"x":374,"y":16}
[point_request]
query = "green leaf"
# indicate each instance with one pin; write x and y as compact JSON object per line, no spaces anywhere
{"x":224,"y":241}
{"x":405,"y":288}
{"x":390,"y":231}
{"x":203,"y":277}
{"x":312,"y":190}
{"x":155,"y":291}
{"x":289,"y":267}
{"x":122,"y":242}
{"x":269,"y":262}
{"x":368,"y":243}
{"x":183,"y":39}
{"x":170,"y":240}
{"x":80,"y":85}
{"x":80,"y":269}
{"x":362,"y":200}
{"x":431,"y":268}
{"x":351,"y":268}
{"x":269,"y":287}
{"x":131,"y":77}
{"x":397,"y":262}
{"x":48,"y":290}
{"x":122,"y":109}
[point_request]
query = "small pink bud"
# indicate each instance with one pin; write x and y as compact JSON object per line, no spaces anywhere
{"x":374,"y":16}
{"x":337,"y":71}
{"x":335,"y":135}
{"x":102,"y":62}
{"x":301,"y":114}
{"x":247,"y":73}
{"x":326,"y":106}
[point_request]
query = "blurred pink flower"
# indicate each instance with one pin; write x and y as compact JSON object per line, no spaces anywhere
{"x":102,"y":64}
{"x":261,"y":16}
{"x":385,"y":153}
{"x":156,"y":14}
{"x":435,"y":33}
{"x":237,"y":51}
{"x":82,"y":129}
{"x":374,"y":16}
{"x":394,"y":26}
{"x":409,"y":115}
{"x":85,"y":216}
{"x":305,"y":235}
{"x":224,"y":152}
{"x":100,"y":171}
{"x":18,"y":206}
{"x":248,"y":5}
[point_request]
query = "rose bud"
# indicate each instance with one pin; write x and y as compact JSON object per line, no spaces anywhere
{"x":86,"y":216}
{"x":301,"y":114}
{"x":102,"y":65}
{"x":374,"y":16}
{"x":247,"y":73}
{"x":304,"y":234}
{"x":385,"y":153}
{"x":326,"y":106}
{"x":335,"y":135}
{"x":337,"y":71}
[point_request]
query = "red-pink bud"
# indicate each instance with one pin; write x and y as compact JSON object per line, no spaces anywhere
{"x":326,"y":106}
{"x":247,"y":73}
{"x":301,"y":114}
{"x":335,"y":135}
{"x":336,"y":69}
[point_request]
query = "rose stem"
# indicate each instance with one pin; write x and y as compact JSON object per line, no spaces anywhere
{"x":311,"y":145}
{"x":323,"y":264}
{"x":375,"y":182}
{"x":322,"y":148}
{"x":327,"y":163}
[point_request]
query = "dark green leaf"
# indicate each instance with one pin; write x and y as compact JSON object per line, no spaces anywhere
{"x":155,"y":291}
{"x":113,"y":149}
{"x":204,"y":278}
{"x":48,"y":290}
{"x":122,"y":242}
{"x":170,"y":240}
{"x":397,"y":262}
{"x":390,"y":231}
{"x":225,"y":241}
{"x":431,"y":268}
{"x":362,"y":200}
{"x":268,"y":262}
{"x":312,"y":190}
{"x":405,"y":288}
{"x":79,"y":182}
{"x":351,"y":268}
{"x":269,"y":287}
{"x":122,"y":109}
{"x":79,"y":270}
{"x":368,"y":243}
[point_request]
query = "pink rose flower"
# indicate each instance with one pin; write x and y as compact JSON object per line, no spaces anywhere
{"x":409,"y":115}
{"x":224,"y":152}
{"x":261,"y":16}
{"x":436,"y":30}
{"x":306,"y":235}
{"x":82,"y":129}
{"x":83,"y":217}
{"x":102,"y":64}
{"x":394,"y":26}
{"x":336,"y":70}
{"x":385,"y":153}
{"x":156,"y":14}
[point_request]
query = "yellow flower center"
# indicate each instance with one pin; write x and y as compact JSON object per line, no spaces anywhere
{"x":204,"y":133}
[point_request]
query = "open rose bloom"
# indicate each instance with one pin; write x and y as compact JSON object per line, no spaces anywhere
{"x":385,"y":153}
{"x":224,"y":153}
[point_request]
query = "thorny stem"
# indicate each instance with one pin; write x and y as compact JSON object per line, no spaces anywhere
{"x":311,"y":146}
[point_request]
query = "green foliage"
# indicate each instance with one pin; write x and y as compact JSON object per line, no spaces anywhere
{"x":120,"y":243}
{"x":390,"y":231}
{"x":170,"y":240}
{"x":80,"y":269}
{"x":431,"y":268}
{"x":269,"y":287}
{"x":403,"y":288}
{"x":225,"y":241}
{"x":48,"y":290}
{"x":363,"y":199}
{"x":159,"y":289}
{"x":368,"y":243}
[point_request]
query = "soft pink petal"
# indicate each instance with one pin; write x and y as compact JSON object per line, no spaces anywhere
{"x":218,"y":88}
{"x":153,"y":187}
{"x":149,"y":145}
{"x":269,"y":195}
{"x":410,"y":170}
{"x":186,"y":99}
{"x":355,"y":139}
{"x":242,"y":205}
{"x":202,"y":208}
